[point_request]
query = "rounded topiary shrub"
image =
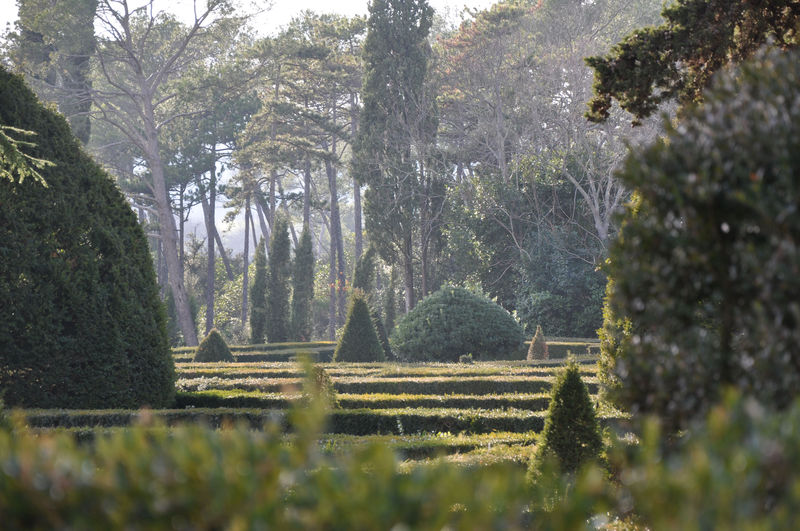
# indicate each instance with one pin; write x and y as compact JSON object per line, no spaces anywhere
{"x":455,"y":321}
{"x":571,"y":434}
{"x":82,"y":322}
{"x":705,"y":270}
{"x":538,"y":348}
{"x":359,"y":341}
{"x":213,"y":348}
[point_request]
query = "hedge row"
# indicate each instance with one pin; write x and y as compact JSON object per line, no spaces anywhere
{"x":353,"y":422}
{"x":335,"y":371}
{"x":268,"y":347}
{"x":436,"y":386}
{"x":322,"y":355}
{"x":251,"y":399}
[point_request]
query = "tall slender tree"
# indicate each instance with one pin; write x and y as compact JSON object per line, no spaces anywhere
{"x":395,"y":127}
{"x":258,"y":297}
{"x":277,"y":327}
{"x":303,"y":287}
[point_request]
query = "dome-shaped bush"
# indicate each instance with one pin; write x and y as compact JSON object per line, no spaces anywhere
{"x":82,"y":323}
{"x":455,"y":321}
{"x":213,"y":348}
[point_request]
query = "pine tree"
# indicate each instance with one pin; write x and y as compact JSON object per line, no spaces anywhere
{"x":278,"y":318}
{"x":258,"y":297}
{"x":359,"y":341}
{"x":213,"y":348}
{"x":571,"y":432}
{"x":538,"y":348}
{"x":303,"y":287}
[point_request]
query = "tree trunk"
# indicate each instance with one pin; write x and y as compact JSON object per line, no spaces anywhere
{"x":356,"y":185}
{"x":408,"y":272}
{"x":168,"y":239}
{"x":262,"y":221}
{"x":246,"y":258}
{"x":336,"y":241}
{"x":211,"y":266}
{"x":307,"y":192}
{"x":332,"y":286}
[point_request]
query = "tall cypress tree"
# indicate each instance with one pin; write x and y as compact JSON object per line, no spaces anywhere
{"x":303,"y":287}
{"x":258,"y":297}
{"x":277,"y":326}
{"x":397,"y":125}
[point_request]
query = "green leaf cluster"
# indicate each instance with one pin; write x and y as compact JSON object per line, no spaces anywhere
{"x":83,"y":325}
{"x":705,"y":284}
{"x":455,"y":321}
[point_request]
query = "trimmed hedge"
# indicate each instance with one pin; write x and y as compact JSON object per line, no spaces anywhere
{"x":212,"y":349}
{"x":82,"y":322}
{"x":251,"y":399}
{"x":454,"y":321}
{"x":438,"y":386}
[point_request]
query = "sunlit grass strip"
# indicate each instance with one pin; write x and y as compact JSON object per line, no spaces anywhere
{"x":250,"y":399}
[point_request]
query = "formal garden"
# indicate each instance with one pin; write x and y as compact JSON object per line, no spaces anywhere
{"x":439,"y":385}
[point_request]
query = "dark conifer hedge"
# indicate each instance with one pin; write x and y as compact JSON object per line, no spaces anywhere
{"x":82,"y":323}
{"x":213,"y":348}
{"x":359,"y":340}
{"x":571,"y":432}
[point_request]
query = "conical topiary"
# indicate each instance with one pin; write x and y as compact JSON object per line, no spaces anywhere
{"x":383,"y":337}
{"x":359,"y":341}
{"x":538,"y":348}
{"x":213,"y":348}
{"x":571,"y":433}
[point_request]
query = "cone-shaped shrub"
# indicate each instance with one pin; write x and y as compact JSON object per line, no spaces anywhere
{"x":538,"y":348}
{"x":213,"y":348}
{"x":571,"y":433}
{"x":359,"y":341}
{"x":82,"y":323}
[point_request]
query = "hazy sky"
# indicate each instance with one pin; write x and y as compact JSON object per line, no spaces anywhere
{"x":282,"y":10}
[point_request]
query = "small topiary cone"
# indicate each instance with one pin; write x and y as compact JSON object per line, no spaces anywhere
{"x":571,"y":432}
{"x":359,"y":341}
{"x":538,"y":348}
{"x":213,"y":348}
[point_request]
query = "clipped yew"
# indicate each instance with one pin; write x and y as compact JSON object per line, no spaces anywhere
{"x":82,"y":322}
{"x":213,"y":348}
{"x":359,"y":341}
{"x":571,"y":434}
{"x":538,"y":348}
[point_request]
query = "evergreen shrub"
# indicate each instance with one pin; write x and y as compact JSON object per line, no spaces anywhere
{"x":213,"y":348}
{"x":571,"y":434}
{"x":538,"y":348}
{"x":705,"y":271}
{"x":454,"y":321}
{"x":82,"y":322}
{"x":359,"y":341}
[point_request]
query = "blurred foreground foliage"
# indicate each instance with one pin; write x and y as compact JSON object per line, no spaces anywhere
{"x":733,"y":471}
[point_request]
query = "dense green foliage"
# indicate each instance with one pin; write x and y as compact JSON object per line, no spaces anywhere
{"x":538,"y":348}
{"x":302,"y":287}
{"x":571,"y":433}
{"x":705,"y":286}
{"x":278,"y":316}
{"x":213,"y":348}
{"x":82,"y":322}
{"x":359,"y":341}
{"x":455,"y":321}
{"x":258,"y":297}
{"x":678,"y":58}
